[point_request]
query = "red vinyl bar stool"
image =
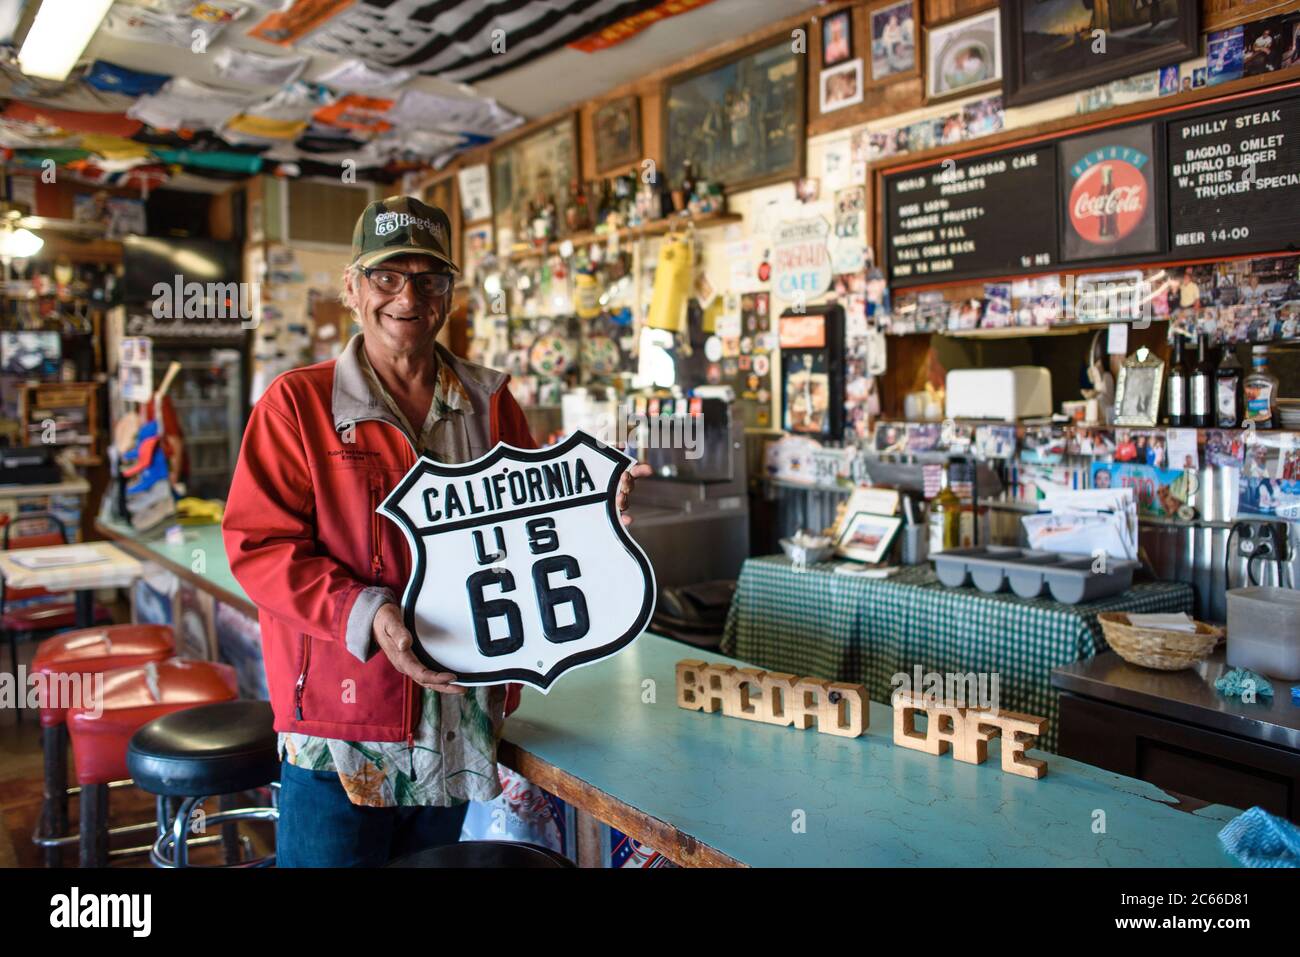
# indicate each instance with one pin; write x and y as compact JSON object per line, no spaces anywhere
{"x":66,"y":664}
{"x":132,"y":697}
{"x":192,"y":755}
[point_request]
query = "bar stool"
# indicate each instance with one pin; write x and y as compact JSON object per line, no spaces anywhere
{"x":194,"y":754}
{"x":484,"y":854}
{"x":65,"y":662}
{"x":132,"y":697}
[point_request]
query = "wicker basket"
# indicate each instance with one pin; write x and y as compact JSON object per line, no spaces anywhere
{"x":1155,"y":647}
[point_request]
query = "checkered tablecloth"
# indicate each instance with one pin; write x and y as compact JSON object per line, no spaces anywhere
{"x":847,"y":628}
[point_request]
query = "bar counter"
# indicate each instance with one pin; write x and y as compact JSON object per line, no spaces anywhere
{"x":705,"y":789}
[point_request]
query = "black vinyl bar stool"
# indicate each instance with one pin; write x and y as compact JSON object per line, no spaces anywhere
{"x":484,"y":854}
{"x":187,"y":757}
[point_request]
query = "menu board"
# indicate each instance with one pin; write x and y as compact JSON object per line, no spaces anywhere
{"x":1234,"y":180}
{"x":987,"y":215}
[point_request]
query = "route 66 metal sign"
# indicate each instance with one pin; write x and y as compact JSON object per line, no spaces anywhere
{"x":521,"y":569}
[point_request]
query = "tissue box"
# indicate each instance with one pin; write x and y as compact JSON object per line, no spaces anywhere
{"x":1021,"y":392}
{"x":1264,"y":631}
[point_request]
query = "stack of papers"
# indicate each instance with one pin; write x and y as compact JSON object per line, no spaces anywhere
{"x":1086,"y":521}
{"x":1165,"y":621}
{"x":57,"y":558}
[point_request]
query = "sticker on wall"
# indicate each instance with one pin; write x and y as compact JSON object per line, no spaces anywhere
{"x":801,"y":261}
{"x":534,"y":573}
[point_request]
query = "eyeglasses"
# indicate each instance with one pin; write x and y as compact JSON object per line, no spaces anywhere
{"x":390,"y":282}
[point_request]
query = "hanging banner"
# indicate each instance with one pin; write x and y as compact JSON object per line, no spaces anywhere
{"x":628,"y":27}
{"x":532,"y":572}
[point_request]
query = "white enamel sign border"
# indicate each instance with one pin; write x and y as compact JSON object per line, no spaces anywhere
{"x":622,"y":556}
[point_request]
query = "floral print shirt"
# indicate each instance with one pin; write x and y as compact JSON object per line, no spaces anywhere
{"x":454,"y":754}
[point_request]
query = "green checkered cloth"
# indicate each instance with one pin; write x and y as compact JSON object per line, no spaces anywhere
{"x":848,"y":628}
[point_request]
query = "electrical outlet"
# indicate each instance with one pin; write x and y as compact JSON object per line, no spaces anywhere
{"x":1266,"y":540}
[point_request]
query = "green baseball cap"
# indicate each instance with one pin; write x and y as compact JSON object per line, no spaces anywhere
{"x":401,"y":226}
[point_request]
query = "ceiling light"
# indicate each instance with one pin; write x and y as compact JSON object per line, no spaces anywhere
{"x":19,"y":244}
{"x":59,"y":35}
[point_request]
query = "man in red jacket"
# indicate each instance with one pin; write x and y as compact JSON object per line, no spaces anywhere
{"x":380,"y":755}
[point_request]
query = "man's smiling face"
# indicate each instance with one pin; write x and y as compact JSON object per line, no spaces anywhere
{"x":404,"y":323}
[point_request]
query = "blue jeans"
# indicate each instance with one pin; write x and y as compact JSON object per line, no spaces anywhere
{"x":320,"y":827}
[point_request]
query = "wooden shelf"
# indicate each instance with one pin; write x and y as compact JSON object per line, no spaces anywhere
{"x":657,"y":227}
{"x":1020,"y":332}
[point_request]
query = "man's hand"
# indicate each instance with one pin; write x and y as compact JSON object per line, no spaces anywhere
{"x":625,"y":485}
{"x":391,"y":635}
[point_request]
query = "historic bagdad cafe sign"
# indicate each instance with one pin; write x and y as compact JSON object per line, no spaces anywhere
{"x":521,"y":568}
{"x":1213,"y":178}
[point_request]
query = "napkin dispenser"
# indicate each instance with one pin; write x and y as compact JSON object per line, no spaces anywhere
{"x":1020,"y":392}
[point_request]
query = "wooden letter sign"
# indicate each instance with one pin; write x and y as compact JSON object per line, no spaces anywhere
{"x":967,"y":732}
{"x":773,"y":698}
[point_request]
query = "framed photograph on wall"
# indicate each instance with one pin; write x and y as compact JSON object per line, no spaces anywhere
{"x":841,"y":86}
{"x":1109,"y":194}
{"x":963,"y":56}
{"x":1137,"y":393}
{"x":837,"y":37}
{"x":536,"y":168}
{"x":740,"y":121}
{"x":616,"y":127}
{"x":1059,"y":46}
{"x":892,"y":29}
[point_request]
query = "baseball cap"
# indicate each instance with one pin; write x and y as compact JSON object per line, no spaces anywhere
{"x":400,"y":226}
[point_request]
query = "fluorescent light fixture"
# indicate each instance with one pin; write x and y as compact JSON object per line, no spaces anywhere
{"x":59,"y":35}
{"x":19,"y":244}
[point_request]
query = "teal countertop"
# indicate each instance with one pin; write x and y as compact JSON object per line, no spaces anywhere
{"x":200,"y":558}
{"x":738,"y":786}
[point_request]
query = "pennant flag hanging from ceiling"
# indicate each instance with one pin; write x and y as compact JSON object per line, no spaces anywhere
{"x":461,"y":40}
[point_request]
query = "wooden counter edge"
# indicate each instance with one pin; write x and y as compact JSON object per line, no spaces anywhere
{"x":680,"y":848}
{"x":144,"y":553}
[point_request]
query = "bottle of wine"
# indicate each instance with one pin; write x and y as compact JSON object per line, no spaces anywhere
{"x":1228,"y":389}
{"x":1176,"y":385}
{"x":1200,"y":389}
{"x":944,"y":517}
{"x":1260,"y":389}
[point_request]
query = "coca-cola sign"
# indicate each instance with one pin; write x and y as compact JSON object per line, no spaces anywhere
{"x":1110,"y":194}
{"x":1110,"y":201}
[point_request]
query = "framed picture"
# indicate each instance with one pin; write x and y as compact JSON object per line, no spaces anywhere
{"x":537,"y":168}
{"x":616,"y":126}
{"x":1137,"y":394}
{"x":867,"y":536}
{"x":837,"y":38}
{"x":739,"y":121}
{"x":443,"y":194}
{"x":963,"y":56}
{"x":877,"y":501}
{"x":841,"y":86}
{"x":806,"y":394}
{"x":893,"y":41}
{"x":1109,"y":194}
{"x":477,"y":246}
{"x":1058,"y":46}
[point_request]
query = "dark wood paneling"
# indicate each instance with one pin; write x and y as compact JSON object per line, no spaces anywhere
{"x":1181,"y":757}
